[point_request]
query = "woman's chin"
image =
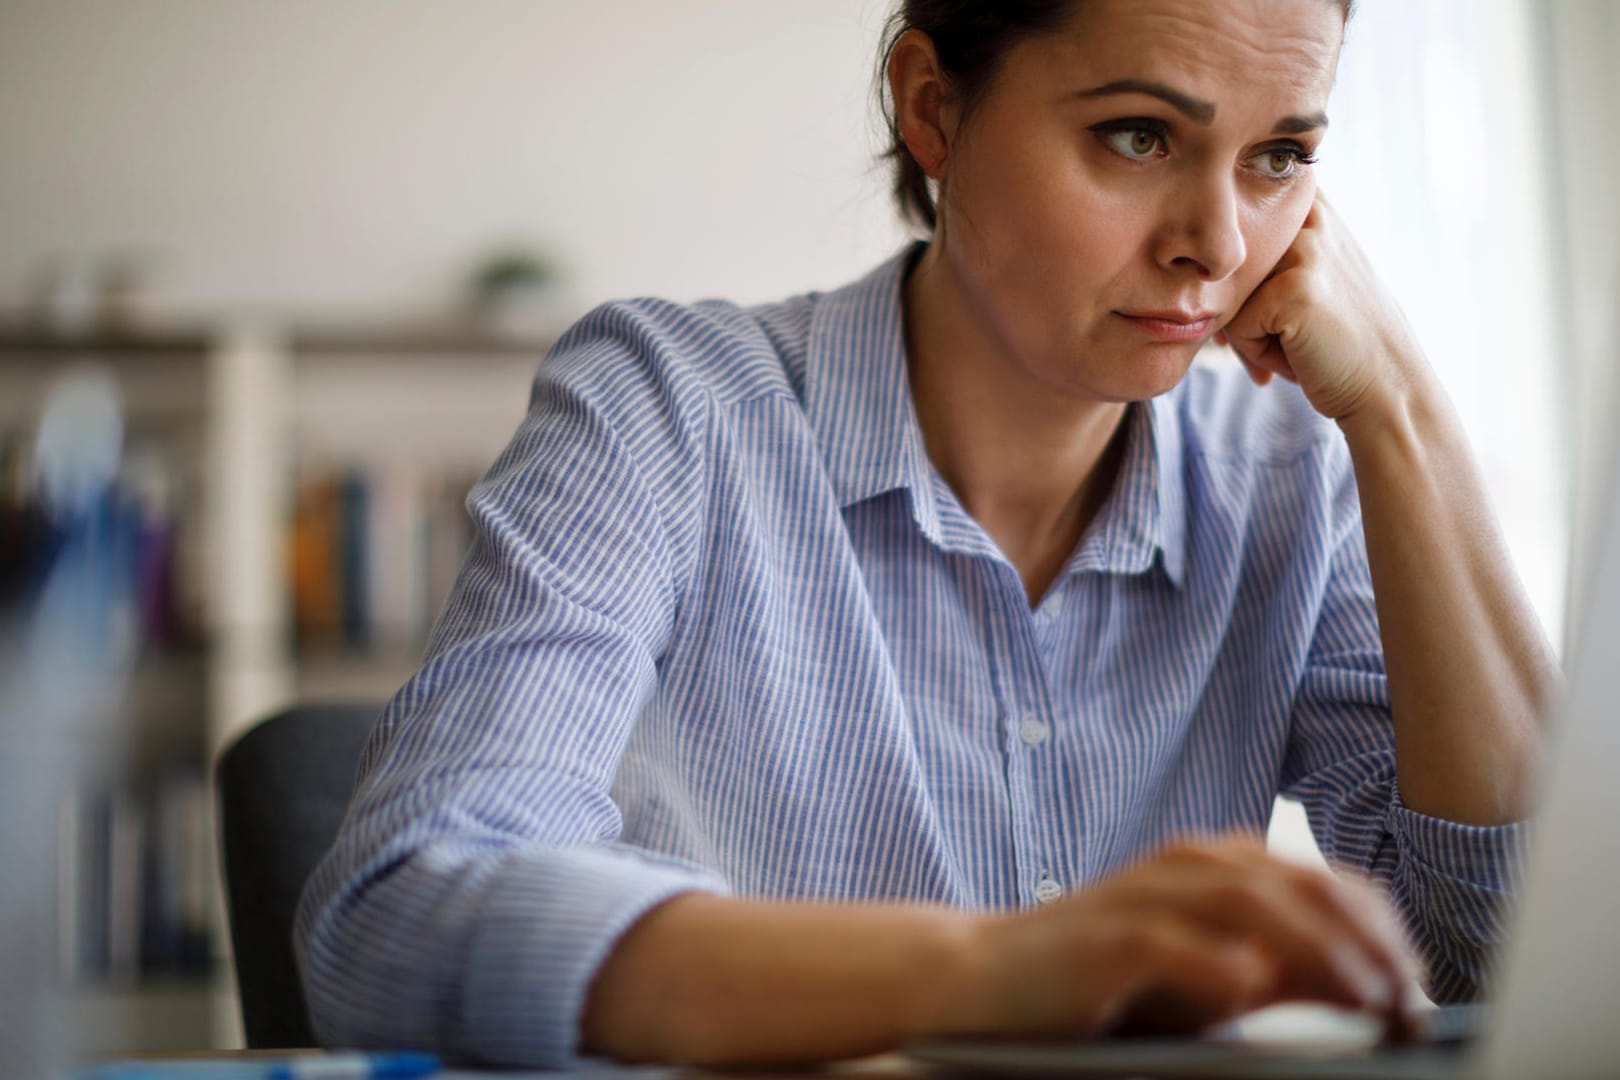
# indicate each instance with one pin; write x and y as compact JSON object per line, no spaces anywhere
{"x":1148,"y":371}
{"x":1113,"y":373}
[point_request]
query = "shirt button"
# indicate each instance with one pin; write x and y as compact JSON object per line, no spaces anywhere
{"x":1053,"y":605}
{"x":1047,"y":891}
{"x":1033,"y":732}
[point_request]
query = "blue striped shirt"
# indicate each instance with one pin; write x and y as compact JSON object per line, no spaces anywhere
{"x":724,"y":627}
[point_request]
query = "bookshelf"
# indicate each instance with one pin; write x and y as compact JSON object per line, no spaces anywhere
{"x":246,"y":420}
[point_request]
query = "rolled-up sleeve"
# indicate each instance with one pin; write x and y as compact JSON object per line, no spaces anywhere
{"x":1459,"y":883}
{"x":477,"y":883}
{"x":1453,"y":883}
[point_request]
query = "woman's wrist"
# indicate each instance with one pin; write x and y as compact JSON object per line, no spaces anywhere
{"x":957,"y":999}
{"x":995,"y":978}
{"x":1408,"y":401}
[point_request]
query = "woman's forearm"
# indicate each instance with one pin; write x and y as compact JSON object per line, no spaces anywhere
{"x":718,"y":981}
{"x":1470,"y":670}
{"x":1191,"y":936}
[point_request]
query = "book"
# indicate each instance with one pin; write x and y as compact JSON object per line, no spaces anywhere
{"x":372,"y":553}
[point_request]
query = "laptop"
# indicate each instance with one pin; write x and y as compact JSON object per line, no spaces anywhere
{"x":1556,"y":1007}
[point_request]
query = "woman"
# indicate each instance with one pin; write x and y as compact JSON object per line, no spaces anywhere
{"x":870,"y":665}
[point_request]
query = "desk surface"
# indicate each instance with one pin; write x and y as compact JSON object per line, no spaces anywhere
{"x":1283,"y":1026}
{"x":246,"y":1064}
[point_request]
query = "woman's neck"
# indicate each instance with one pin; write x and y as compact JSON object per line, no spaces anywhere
{"x":1032,"y":466}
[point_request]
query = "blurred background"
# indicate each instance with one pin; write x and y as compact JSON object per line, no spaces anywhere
{"x":274,"y":278}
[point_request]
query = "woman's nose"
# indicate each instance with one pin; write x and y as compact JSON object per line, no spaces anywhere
{"x":1201,"y":230}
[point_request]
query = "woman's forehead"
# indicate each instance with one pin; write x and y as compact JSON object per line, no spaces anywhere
{"x":1211,"y":48}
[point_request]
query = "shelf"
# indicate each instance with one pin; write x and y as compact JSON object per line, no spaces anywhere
{"x":431,"y":343}
{"x":168,"y":698}
{"x":148,"y":1017}
{"x":23,"y":342}
{"x":358,"y":676}
{"x":162,"y":386}
{"x":153,"y":715}
{"x":427,"y":340}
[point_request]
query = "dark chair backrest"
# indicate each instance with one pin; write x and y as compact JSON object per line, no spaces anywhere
{"x":283,"y":788}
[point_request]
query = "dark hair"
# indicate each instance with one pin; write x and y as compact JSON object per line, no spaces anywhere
{"x":970,"y":37}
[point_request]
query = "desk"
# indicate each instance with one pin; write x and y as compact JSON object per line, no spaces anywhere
{"x":247,"y":1064}
{"x":1315,"y":1028}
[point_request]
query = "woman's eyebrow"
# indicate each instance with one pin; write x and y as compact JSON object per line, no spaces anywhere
{"x":1200,"y":112}
{"x":1299,"y":125}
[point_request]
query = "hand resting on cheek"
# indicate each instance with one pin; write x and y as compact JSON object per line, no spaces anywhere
{"x":1322,"y":319}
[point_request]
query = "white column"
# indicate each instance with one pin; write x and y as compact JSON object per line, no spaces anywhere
{"x":251,"y":671}
{"x":250,"y":664}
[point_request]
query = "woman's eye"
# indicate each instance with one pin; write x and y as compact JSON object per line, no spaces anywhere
{"x":1280,"y":162}
{"x":1137,"y":143}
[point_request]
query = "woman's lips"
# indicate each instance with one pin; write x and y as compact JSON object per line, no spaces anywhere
{"x":1171,"y":325}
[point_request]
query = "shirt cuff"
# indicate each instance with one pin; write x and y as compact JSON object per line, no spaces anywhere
{"x":544,"y":929}
{"x":1481,"y":856}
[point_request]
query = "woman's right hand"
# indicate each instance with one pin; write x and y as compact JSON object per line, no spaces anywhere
{"x":1193,"y":936}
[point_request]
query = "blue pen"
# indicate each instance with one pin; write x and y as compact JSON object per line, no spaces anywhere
{"x":402,"y":1065}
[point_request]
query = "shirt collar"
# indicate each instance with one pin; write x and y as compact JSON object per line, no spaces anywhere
{"x":857,"y":397}
{"x":1146,"y":513}
{"x":858,"y":401}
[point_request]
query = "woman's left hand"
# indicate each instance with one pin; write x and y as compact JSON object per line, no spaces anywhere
{"x":1322,"y":320}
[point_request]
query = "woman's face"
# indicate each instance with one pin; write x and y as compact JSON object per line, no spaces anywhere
{"x":1124,"y":185}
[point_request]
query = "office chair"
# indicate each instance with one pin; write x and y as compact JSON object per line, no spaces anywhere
{"x":283,"y":788}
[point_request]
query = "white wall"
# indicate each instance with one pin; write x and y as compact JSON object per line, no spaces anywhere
{"x":309,"y":155}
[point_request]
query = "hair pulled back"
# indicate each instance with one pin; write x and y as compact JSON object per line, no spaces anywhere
{"x":971,"y":38}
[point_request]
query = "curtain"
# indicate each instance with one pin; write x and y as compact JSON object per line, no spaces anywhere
{"x":1582,"y":44}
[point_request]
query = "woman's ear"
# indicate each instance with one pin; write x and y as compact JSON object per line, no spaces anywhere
{"x":921,"y":108}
